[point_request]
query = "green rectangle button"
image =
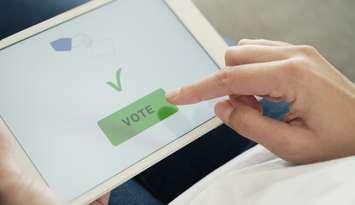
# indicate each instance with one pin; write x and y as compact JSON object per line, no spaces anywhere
{"x":137,"y":117}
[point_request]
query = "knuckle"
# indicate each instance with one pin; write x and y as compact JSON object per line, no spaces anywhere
{"x":296,"y":67}
{"x":222,"y":77}
{"x":228,"y":56}
{"x":307,"y":50}
{"x":236,"y":55}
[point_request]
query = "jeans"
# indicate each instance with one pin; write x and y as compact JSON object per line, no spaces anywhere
{"x":132,"y":193}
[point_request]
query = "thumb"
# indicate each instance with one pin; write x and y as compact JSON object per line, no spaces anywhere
{"x":278,"y":137}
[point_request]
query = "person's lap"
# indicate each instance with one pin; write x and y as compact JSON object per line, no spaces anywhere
{"x":164,"y":181}
{"x":132,"y":193}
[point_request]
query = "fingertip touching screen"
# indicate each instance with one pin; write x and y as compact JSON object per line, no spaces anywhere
{"x":86,"y":99}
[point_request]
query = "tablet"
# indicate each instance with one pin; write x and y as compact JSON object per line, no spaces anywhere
{"x":83,"y":93}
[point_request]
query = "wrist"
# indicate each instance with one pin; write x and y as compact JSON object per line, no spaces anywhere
{"x":22,"y":189}
{"x":9,"y":187}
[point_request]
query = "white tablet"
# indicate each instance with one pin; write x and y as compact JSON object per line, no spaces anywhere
{"x":83,"y":93}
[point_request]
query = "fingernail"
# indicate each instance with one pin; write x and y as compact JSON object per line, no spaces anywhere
{"x":171,"y":95}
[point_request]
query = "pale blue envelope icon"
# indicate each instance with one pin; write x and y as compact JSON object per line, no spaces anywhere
{"x":62,"y":44}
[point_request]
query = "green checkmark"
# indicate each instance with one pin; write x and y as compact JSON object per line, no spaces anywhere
{"x":117,"y":85}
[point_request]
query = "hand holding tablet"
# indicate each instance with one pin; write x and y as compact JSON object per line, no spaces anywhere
{"x":18,"y":187}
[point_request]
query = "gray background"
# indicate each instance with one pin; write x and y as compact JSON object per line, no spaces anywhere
{"x":328,"y":25}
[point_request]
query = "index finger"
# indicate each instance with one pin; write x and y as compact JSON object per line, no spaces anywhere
{"x":263,"y":79}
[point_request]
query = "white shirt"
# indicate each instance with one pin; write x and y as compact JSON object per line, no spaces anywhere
{"x":259,"y":177}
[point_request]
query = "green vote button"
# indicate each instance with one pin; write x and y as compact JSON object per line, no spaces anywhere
{"x":137,"y":117}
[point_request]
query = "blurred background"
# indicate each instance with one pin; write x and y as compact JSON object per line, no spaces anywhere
{"x":326,"y":24}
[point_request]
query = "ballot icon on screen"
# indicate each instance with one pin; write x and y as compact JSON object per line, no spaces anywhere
{"x":83,"y":43}
{"x":62,"y":44}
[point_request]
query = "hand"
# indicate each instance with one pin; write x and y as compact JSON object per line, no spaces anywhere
{"x":17,"y":188}
{"x":321,"y":122}
{"x":104,"y":200}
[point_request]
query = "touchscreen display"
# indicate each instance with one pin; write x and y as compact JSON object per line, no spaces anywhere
{"x":86,"y":99}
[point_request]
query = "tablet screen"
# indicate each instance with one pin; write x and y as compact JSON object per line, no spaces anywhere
{"x":86,"y":99}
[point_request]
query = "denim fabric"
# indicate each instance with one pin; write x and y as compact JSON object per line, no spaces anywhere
{"x":16,"y":15}
{"x":275,"y":110}
{"x":132,"y":193}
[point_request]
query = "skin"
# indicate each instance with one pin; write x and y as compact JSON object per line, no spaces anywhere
{"x":17,"y":188}
{"x":318,"y":127}
{"x":320,"y":123}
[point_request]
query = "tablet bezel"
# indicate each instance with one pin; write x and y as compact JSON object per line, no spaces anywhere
{"x":197,"y":25}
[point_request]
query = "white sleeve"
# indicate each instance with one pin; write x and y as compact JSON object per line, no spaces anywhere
{"x":259,"y":177}
{"x":255,"y":155}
